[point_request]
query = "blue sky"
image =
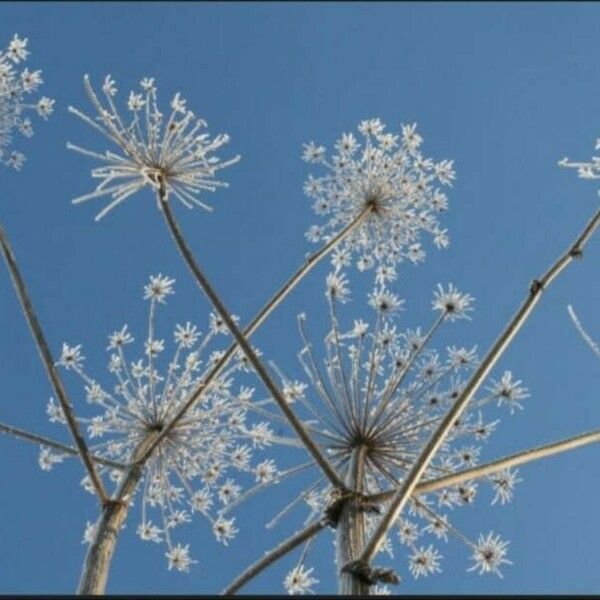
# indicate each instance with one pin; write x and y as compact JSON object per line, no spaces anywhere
{"x":504,"y":89}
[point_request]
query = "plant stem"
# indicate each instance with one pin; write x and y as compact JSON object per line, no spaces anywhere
{"x":241,"y":340}
{"x":99,"y":556}
{"x":270,"y":557}
{"x":257,"y":321}
{"x":44,"y":441}
{"x":500,"y":464}
{"x":412,"y":479}
{"x":351,"y":529}
{"x":46,"y":357}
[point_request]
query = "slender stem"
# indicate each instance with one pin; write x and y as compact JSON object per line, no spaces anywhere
{"x":46,"y":357}
{"x":584,"y":334}
{"x":351,"y":529}
{"x":44,"y":441}
{"x":412,"y":479}
{"x":500,"y":464}
{"x":241,"y":340}
{"x":268,"y":308}
{"x":99,"y":556}
{"x":273,"y":555}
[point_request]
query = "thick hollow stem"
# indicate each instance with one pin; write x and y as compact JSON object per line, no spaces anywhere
{"x":268,"y":308}
{"x":99,"y":556}
{"x":273,"y":555}
{"x":351,"y":529}
{"x":243,"y":343}
{"x":422,"y":462}
{"x":46,"y":356}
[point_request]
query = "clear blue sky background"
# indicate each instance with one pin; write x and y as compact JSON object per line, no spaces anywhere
{"x":504,"y":89}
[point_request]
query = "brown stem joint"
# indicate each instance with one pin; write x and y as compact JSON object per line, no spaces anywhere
{"x":371,"y":575}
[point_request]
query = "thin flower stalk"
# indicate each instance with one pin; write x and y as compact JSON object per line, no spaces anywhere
{"x":582,"y":332}
{"x":49,"y":443}
{"x":46,"y":357}
{"x":410,"y":482}
{"x":500,"y":464}
{"x":299,"y":428}
{"x":275,"y":554}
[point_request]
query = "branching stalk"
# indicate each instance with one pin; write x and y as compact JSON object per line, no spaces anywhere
{"x":241,"y":340}
{"x":98,"y":559}
{"x":46,"y":357}
{"x":412,"y":479}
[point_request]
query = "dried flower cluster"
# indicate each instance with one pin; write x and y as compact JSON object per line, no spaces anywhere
{"x":385,"y":390}
{"x":177,"y":152}
{"x":388,"y":173}
{"x":380,"y":393}
{"x":15,"y":92}
{"x":194,"y":468}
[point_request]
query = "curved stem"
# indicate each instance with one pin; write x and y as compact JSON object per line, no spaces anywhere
{"x":257,"y":321}
{"x":241,"y":340}
{"x":412,"y":479}
{"x":46,"y":357}
{"x":99,"y":556}
{"x":272,"y":556}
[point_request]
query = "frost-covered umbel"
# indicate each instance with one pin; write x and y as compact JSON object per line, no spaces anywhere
{"x":385,"y":390}
{"x":16,"y":89}
{"x":387,"y":172}
{"x":203,"y":462}
{"x":177,"y":151}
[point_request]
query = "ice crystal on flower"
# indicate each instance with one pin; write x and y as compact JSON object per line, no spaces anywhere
{"x":585,"y":170}
{"x":15,"y":92}
{"x":386,"y":173}
{"x":177,"y":152}
{"x":385,"y":390}
{"x":424,"y":561}
{"x":202,"y":464}
{"x":299,"y":580}
{"x":489,"y":554}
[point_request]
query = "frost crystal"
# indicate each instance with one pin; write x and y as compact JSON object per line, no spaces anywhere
{"x":177,"y":152}
{"x":15,"y":91}
{"x":387,"y":173}
{"x":299,"y":580}
{"x":489,"y":554}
